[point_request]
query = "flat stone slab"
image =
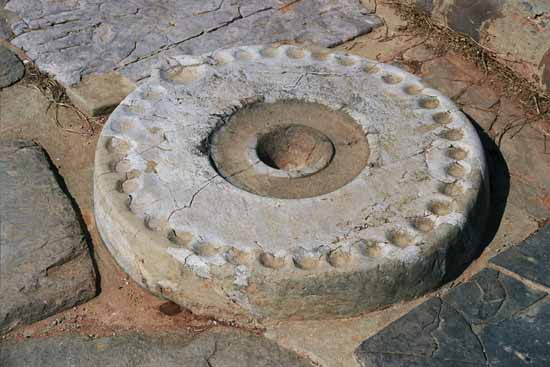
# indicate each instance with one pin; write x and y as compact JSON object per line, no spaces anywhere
{"x":530,"y":259}
{"x":210,"y":349}
{"x":492,"y":320}
{"x":45,"y":265}
{"x":287,"y":181}
{"x":5,"y":17}
{"x":101,"y":93}
{"x":71,"y":39}
{"x":11,"y":68}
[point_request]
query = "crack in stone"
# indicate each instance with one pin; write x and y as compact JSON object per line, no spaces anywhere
{"x":68,"y":257}
{"x":208,"y":182}
{"x":296,"y":82}
{"x":385,"y":166}
{"x":61,"y":49}
{"x":190,"y":203}
{"x":470,"y":327}
{"x":169,"y":188}
{"x":132,"y":50}
{"x":243,"y":170}
{"x":438,"y":318}
{"x":159,"y":50}
{"x":420,"y":356}
{"x":526,"y":309}
{"x":65,"y":34}
{"x":55,"y":24}
{"x":208,"y":362}
{"x":503,"y":300}
{"x":218,"y":7}
{"x":201,"y":33}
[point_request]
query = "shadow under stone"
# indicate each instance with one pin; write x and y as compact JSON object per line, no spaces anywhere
{"x":499,"y":188}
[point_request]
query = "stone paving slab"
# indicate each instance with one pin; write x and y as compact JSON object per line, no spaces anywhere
{"x":491,"y":320}
{"x":530,"y":259}
{"x":5,"y":29}
{"x":211,"y":349}
{"x":45,"y":265}
{"x":11,"y":68}
{"x":100,"y":94}
{"x":517,"y":32}
{"x":70,"y":39}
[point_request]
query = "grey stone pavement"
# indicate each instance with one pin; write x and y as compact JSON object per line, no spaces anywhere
{"x":99,"y":49}
{"x":11,"y":68}
{"x":213,"y":348}
{"x":71,"y":39}
{"x":500,"y":317}
{"x":45,"y":265}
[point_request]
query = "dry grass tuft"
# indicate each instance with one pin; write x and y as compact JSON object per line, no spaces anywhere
{"x":57,"y":97}
{"x":535,"y":102}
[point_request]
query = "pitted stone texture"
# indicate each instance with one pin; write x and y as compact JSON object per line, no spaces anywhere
{"x":45,"y":265}
{"x":349,"y":250}
{"x":212,"y":348}
{"x":11,"y":68}
{"x":70,"y":39}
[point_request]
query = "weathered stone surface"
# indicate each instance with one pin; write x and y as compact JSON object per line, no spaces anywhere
{"x":45,"y":264}
{"x":339,"y":252}
{"x":519,"y":141}
{"x":518,"y":31}
{"x":468,"y":16}
{"x":530,"y":259}
{"x":451,"y":75}
{"x":11,"y":68}
{"x":545,"y":67}
{"x":100,"y":93}
{"x":479,"y":96}
{"x":211,"y":349}
{"x":492,"y":320}
{"x":484,"y":118}
{"x":70,"y":39}
{"x":5,"y":20}
{"x":521,"y":33}
{"x":419,"y":53}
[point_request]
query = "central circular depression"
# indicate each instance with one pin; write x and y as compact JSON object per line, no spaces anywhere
{"x":289,"y":149}
{"x":296,"y":149}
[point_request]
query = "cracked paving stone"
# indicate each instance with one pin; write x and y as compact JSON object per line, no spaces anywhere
{"x":419,"y":53}
{"x":484,"y":118}
{"x":100,"y":93}
{"x":450,"y":74}
{"x":479,"y":96}
{"x":214,"y":348}
{"x":45,"y":265}
{"x":71,"y":39}
{"x":5,"y":29}
{"x":491,"y":320}
{"x":530,"y":259}
{"x":11,"y":68}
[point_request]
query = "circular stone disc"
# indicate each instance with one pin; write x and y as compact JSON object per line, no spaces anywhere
{"x":272,"y":182}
